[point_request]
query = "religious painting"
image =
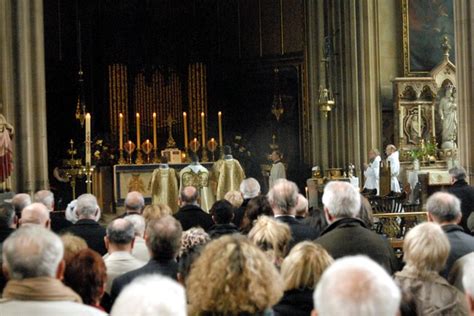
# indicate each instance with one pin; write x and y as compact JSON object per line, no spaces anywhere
{"x":425,"y":24}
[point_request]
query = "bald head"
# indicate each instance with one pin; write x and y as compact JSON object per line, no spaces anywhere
{"x":20,"y":201}
{"x":120,"y":235}
{"x":134,"y":202}
{"x":189,"y":196}
{"x":302,"y":206}
{"x":45,"y":197}
{"x":35,"y":214}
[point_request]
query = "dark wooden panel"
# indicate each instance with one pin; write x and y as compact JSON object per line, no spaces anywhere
{"x":271,"y":27}
{"x":228,"y":25}
{"x":249,"y":28}
{"x":293,"y":25}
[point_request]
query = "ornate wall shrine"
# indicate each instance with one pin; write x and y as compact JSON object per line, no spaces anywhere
{"x":426,"y":130}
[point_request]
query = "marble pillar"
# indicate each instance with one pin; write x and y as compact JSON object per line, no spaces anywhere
{"x":464,"y":46}
{"x":23,"y":94}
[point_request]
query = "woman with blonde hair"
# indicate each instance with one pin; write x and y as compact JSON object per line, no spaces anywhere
{"x":272,"y":237}
{"x":155,"y":211}
{"x":426,"y":249}
{"x":301,"y":271}
{"x":232,"y":277}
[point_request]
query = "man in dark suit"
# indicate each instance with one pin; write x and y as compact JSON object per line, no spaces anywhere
{"x":347,"y":235}
{"x":8,"y":221}
{"x":222,"y":213}
{"x":163,"y":239}
{"x":190,"y":214}
{"x":86,"y":227}
{"x":134,"y":204}
{"x":283,"y":198}
{"x":464,"y":192}
{"x":445,"y":209}
{"x":58,"y":221}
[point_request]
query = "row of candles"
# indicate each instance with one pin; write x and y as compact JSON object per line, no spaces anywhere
{"x":185,"y":124}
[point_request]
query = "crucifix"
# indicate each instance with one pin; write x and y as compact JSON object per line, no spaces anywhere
{"x":170,"y":143}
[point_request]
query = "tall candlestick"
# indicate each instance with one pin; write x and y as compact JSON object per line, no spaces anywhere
{"x":154,"y":130}
{"x":185,"y":124}
{"x":219,"y":117}
{"x":88,"y":139}
{"x":419,"y":120}
{"x":203,"y":127}
{"x":401,"y":122}
{"x":433,"y":127}
{"x":121,"y":131}
{"x":138,"y":131}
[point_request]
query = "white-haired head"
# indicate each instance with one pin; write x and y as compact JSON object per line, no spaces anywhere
{"x":86,"y":206}
{"x":301,"y":208}
{"x":444,"y":208}
{"x":151,"y":295}
{"x":283,"y":197}
{"x":356,"y":286}
{"x":250,"y":188}
{"x":32,"y":251}
{"x":45,"y":197}
{"x":134,"y":202}
{"x":138,"y":223}
{"x":341,"y":200}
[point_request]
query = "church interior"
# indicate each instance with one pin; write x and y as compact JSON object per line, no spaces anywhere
{"x":155,"y":108}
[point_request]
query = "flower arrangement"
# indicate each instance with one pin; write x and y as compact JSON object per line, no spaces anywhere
{"x":103,"y":153}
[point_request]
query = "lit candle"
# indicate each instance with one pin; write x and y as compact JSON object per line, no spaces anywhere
{"x":138,"y":131}
{"x":219,"y":116}
{"x":433,"y":127}
{"x":154,"y":130}
{"x":306,"y":191}
{"x":185,"y":124}
{"x":88,"y":139}
{"x":419,"y":120}
{"x":401,"y":122}
{"x":203,"y":127}
{"x":121,"y":131}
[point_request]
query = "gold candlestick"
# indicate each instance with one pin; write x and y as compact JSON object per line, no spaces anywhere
{"x":138,"y":131}
{"x":203,"y":128}
{"x":185,"y":126}
{"x":221,"y":139}
{"x":154,"y":130}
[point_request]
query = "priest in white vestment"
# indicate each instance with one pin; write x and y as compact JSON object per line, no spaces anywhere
{"x":278,"y":168}
{"x":372,"y":171}
{"x":394,"y":163}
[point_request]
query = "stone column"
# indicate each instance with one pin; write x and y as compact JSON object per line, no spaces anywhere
{"x":24,"y":98}
{"x":464,"y":30}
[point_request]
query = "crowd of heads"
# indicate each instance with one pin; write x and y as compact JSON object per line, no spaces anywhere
{"x":240,"y":273}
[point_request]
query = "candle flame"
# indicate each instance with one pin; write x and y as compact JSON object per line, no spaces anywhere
{"x":154,"y":115}
{"x":120,"y":115}
{"x":220,"y":113}
{"x":202,"y":114}
{"x":138,"y":114}
{"x":184,"y":114}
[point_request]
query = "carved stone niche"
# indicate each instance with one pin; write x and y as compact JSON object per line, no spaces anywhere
{"x":416,"y":107}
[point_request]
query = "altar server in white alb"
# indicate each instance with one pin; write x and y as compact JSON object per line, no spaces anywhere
{"x":372,"y":171}
{"x":278,"y":168}
{"x":393,"y":159}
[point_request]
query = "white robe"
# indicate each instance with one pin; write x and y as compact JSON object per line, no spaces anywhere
{"x":372,"y":175}
{"x":394,"y":171}
{"x":277,"y":172}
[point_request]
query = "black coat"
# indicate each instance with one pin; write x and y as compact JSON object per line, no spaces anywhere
{"x":349,"y":237}
{"x":298,"y":302}
{"x":239,"y":213}
{"x":59,"y":222}
{"x":299,"y":231}
{"x":461,"y":244}
{"x":192,"y":216}
{"x":5,"y":231}
{"x":466,"y":194}
{"x":92,"y":232}
{"x":219,"y":230}
{"x":167,"y":268}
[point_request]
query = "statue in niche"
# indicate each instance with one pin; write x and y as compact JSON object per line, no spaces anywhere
{"x":448,"y":115}
{"x":414,"y":127}
{"x":6,"y":149}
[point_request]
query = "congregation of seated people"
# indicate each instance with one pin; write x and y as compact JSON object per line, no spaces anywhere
{"x":250,"y":254}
